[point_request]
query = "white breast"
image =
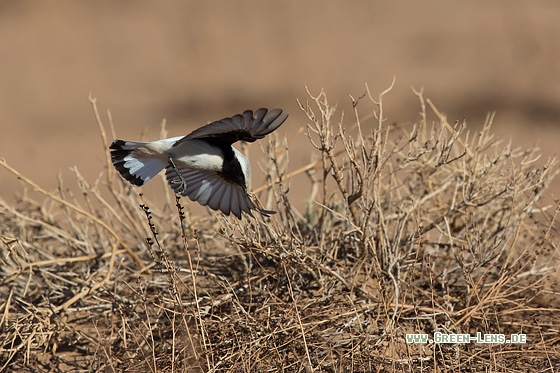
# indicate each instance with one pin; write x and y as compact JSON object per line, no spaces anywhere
{"x":245,"y":166}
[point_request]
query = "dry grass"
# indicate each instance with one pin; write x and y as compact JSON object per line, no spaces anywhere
{"x":408,"y":230}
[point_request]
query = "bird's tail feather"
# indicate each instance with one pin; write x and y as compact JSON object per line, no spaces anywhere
{"x":135,"y":165}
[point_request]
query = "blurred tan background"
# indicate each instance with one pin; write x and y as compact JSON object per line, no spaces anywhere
{"x":192,"y":62}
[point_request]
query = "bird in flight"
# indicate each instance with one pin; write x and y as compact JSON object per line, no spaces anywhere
{"x":202,"y":165}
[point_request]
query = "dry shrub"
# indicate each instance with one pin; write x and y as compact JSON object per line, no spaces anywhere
{"x":419,"y":229}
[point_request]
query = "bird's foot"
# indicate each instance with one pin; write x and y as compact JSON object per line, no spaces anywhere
{"x":182,"y":184}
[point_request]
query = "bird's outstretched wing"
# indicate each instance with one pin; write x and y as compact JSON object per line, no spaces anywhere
{"x":248,"y":126}
{"x":209,"y":189}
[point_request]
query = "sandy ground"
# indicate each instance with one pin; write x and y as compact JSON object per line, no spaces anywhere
{"x":191,"y":62}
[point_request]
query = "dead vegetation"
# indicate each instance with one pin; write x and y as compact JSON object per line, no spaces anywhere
{"x":421,"y":229}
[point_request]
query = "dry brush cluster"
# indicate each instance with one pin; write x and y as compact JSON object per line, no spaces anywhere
{"x":409,"y":229}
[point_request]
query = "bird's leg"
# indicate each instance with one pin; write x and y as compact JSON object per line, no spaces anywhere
{"x":182,"y":183}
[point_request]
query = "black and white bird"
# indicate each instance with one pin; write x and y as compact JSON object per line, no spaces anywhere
{"x":202,"y":165}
